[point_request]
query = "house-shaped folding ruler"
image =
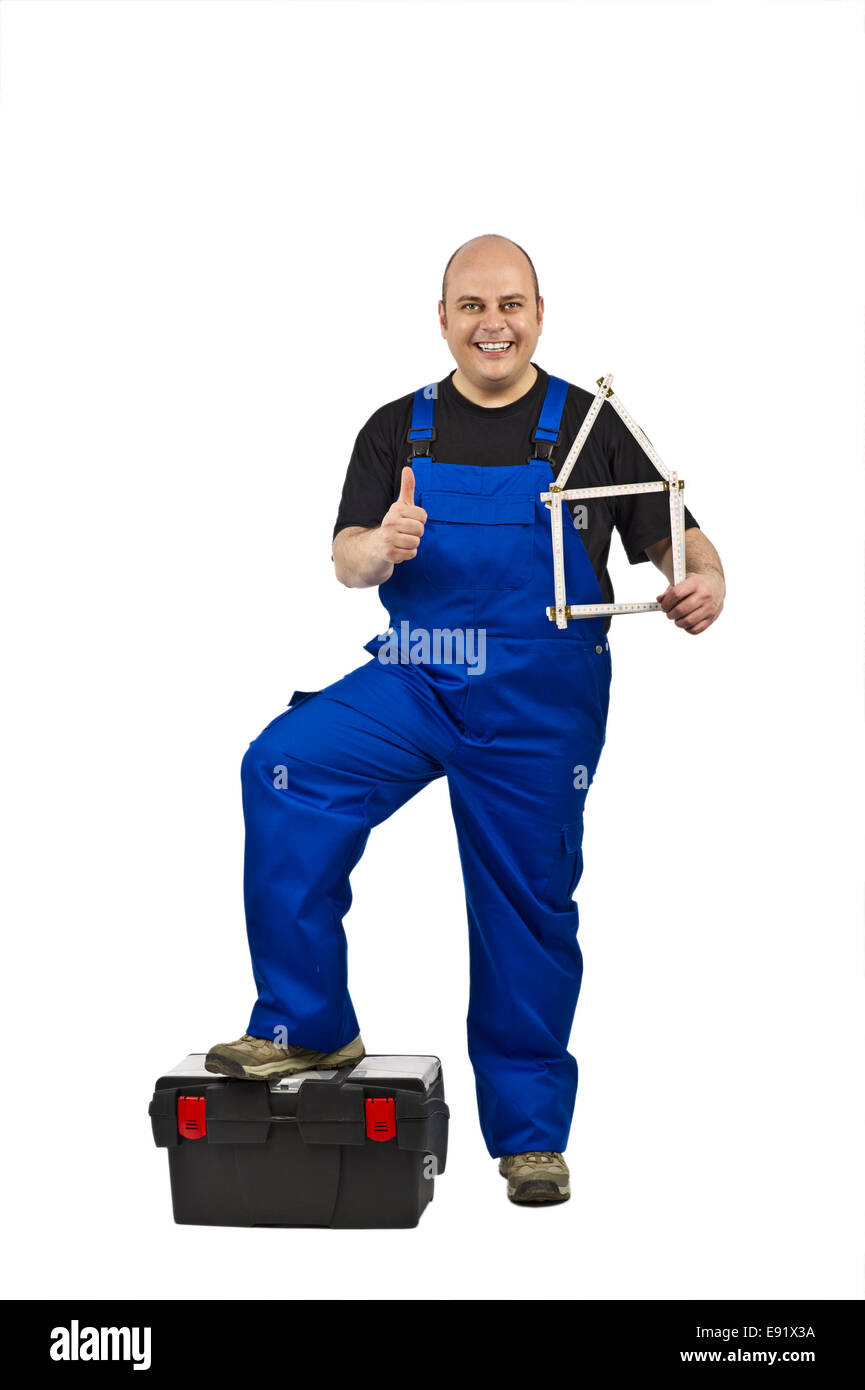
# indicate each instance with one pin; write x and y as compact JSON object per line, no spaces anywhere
{"x":562,"y":611}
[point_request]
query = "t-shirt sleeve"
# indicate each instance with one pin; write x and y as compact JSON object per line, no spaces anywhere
{"x":644,"y":519}
{"x":368,"y":490}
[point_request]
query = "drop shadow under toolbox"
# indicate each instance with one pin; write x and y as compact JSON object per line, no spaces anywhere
{"x":355,"y":1147}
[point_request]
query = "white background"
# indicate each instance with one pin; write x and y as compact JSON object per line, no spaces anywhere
{"x":223,"y":231}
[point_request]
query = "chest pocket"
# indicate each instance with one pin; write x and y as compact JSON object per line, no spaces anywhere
{"x":476,"y":542}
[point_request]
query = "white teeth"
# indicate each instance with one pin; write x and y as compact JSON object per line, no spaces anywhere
{"x":493,"y":347}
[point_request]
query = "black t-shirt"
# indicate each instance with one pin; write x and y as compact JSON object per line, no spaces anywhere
{"x":491,"y":435}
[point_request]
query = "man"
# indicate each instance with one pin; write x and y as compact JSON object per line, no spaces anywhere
{"x":441,"y":508}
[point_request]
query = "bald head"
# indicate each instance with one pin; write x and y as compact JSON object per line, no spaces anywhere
{"x":483,"y":247}
{"x":491,"y":316}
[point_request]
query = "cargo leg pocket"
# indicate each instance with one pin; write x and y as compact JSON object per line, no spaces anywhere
{"x":297,"y":698}
{"x":569,"y":865}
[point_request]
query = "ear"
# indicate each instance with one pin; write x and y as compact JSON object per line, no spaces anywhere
{"x":443,"y":318}
{"x":541,"y":314}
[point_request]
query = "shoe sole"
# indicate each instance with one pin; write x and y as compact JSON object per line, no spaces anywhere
{"x":273,"y":1071}
{"x":538,"y":1194}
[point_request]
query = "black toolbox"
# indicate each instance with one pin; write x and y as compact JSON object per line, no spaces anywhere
{"x":356,"y":1147}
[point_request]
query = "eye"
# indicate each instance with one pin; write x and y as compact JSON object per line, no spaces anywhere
{"x":514,"y":304}
{"x":470,"y":305}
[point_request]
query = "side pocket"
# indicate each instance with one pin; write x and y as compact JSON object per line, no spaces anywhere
{"x":566,"y":872}
{"x":297,"y":698}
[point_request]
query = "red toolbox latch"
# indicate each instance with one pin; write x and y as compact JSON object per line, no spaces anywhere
{"x":191,"y":1122}
{"x":380,"y":1117}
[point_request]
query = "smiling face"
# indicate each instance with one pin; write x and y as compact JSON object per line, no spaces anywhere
{"x":491,"y":321}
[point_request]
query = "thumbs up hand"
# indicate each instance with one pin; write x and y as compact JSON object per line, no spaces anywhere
{"x":401,"y":530}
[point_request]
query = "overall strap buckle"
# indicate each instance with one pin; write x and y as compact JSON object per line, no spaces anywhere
{"x":420,"y":447}
{"x":543,"y":450}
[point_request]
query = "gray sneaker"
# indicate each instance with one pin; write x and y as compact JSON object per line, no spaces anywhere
{"x":536,"y":1179}
{"x":260,"y":1059}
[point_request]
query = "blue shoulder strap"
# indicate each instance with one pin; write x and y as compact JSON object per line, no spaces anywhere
{"x":422,"y":429}
{"x":551,"y":411}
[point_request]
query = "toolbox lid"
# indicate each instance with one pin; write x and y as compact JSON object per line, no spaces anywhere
{"x":377,"y":1070}
{"x":386,"y":1068}
{"x":417,"y":1073}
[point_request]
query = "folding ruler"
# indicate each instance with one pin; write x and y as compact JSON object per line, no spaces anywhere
{"x":557,"y":494}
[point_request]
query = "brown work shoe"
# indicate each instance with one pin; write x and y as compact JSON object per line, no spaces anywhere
{"x":536,"y":1179}
{"x":259,"y":1059}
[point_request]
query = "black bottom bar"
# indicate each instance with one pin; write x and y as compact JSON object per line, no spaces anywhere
{"x":193,"y":1338}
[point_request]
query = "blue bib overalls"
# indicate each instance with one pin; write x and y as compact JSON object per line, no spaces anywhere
{"x":517,"y":731}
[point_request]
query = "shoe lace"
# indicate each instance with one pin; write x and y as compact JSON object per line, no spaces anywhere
{"x":537,"y":1156}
